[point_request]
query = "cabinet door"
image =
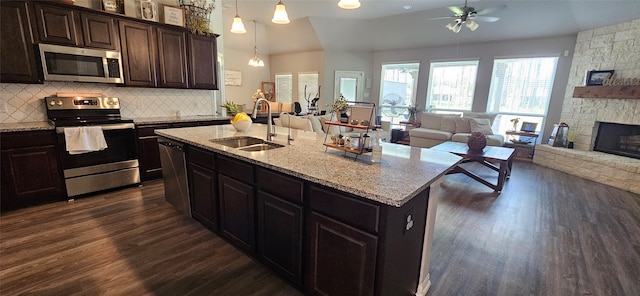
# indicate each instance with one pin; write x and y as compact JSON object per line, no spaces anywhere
{"x":342,"y":259}
{"x":280,"y":235}
{"x":172,"y":57}
{"x":17,"y":58}
{"x":138,"y":54}
{"x":203,"y":65}
{"x":99,"y":31}
{"x":204,"y":195}
{"x":149,"y":158}
{"x":237,"y":213}
{"x":30,"y":176}
{"x":56,"y":25}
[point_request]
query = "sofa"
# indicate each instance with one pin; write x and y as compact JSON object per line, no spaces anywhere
{"x":439,"y":128}
{"x":318,"y":124}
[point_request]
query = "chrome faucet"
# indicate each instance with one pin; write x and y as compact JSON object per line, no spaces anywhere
{"x":270,"y":128}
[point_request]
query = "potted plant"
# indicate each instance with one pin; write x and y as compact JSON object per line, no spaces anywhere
{"x":231,"y":107}
{"x":339,"y":106}
{"x":413,"y":113}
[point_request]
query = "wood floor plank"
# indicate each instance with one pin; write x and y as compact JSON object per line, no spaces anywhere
{"x":546,"y":233}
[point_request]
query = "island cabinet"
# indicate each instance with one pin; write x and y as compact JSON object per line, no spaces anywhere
{"x":31,"y":173}
{"x":203,"y":187}
{"x":280,"y":218}
{"x":17,"y":55}
{"x":237,"y":202}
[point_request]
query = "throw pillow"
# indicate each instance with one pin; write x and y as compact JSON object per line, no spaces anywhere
{"x":481,"y":125}
{"x":296,"y":122}
{"x":490,"y":116}
{"x":448,"y":124}
{"x":431,"y":121}
{"x":463,"y":125}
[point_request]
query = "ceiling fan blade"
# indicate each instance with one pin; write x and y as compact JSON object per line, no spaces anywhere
{"x":441,"y":18}
{"x":489,"y":19}
{"x":491,"y":9}
{"x":457,"y":10}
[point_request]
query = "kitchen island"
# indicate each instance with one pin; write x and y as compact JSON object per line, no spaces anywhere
{"x":326,"y":222}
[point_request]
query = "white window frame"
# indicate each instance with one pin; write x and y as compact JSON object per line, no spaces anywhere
{"x":311,"y":90}
{"x":430,"y":89}
{"x":284,"y":95}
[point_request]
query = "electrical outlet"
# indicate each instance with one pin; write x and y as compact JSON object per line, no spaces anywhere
{"x":3,"y":107}
{"x":139,"y":104}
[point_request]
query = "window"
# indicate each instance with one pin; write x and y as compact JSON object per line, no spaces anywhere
{"x":307,"y":82}
{"x":451,"y":85}
{"x":397,"y":91}
{"x":284,"y":87}
{"x":521,"y":87}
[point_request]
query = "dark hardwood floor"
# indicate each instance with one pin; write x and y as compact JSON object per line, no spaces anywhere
{"x":547,"y":233}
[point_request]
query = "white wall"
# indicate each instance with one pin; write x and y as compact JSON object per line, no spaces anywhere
{"x":485,"y":53}
{"x":344,"y":61}
{"x":252,"y":77}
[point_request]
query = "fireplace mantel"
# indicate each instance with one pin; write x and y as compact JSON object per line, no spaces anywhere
{"x":607,"y":92}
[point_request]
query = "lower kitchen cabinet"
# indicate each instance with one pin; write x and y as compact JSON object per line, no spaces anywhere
{"x":280,"y":236}
{"x":342,"y":259}
{"x":203,"y":187}
{"x":31,"y":173}
{"x":237,"y":215}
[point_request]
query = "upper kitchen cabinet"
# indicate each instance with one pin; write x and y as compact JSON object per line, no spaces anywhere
{"x":57,"y":25}
{"x":17,"y":58}
{"x":99,"y":31}
{"x":203,"y":65}
{"x":138,"y":42}
{"x":172,"y":58}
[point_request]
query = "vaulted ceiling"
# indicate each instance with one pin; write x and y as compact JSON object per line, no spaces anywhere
{"x":388,"y":24}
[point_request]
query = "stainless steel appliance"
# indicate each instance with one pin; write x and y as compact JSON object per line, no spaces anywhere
{"x":65,"y":63}
{"x":174,"y":174}
{"x":115,"y":166}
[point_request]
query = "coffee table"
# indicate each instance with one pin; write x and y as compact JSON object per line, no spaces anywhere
{"x":496,"y":158}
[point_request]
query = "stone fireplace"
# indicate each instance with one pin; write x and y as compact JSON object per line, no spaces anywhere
{"x":614,"y":160}
{"x":618,"y":139}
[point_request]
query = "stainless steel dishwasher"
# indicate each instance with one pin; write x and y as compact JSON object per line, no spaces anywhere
{"x":174,"y":173}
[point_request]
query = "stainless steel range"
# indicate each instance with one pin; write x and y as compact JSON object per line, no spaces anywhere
{"x":99,"y":169}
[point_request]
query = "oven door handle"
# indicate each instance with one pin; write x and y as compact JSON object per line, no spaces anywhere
{"x":106,"y":127}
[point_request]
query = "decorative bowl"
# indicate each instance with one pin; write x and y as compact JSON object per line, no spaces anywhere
{"x":242,"y":125}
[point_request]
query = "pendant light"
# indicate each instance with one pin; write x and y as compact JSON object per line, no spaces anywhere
{"x":349,"y":4}
{"x":255,"y":60}
{"x":280,"y":15}
{"x":237,"y":26}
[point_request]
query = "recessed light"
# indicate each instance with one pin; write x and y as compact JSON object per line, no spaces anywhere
{"x":407,"y":7}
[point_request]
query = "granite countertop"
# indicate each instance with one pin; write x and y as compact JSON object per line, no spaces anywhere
{"x":173,"y":119}
{"x":26,"y":126}
{"x":403,"y":173}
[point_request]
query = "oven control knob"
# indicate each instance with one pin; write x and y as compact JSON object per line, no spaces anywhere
{"x":59,"y":103}
{"x":52,"y":103}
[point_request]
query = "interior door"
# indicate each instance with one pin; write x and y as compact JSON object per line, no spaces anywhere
{"x":350,"y":84}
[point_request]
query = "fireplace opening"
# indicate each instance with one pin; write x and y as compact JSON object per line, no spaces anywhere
{"x":619,"y":139}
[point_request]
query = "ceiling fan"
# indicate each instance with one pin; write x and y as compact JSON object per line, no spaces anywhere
{"x":468,"y":15}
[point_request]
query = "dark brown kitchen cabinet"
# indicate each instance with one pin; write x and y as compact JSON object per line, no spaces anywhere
{"x":148,"y":151}
{"x":172,"y":58}
{"x":99,"y":31}
{"x":203,"y":62}
{"x":17,"y":55}
{"x":31,"y":172}
{"x":138,"y":43}
{"x":203,"y":187}
{"x":57,"y":25}
{"x":342,"y":259}
{"x":237,"y":215}
{"x":280,"y":236}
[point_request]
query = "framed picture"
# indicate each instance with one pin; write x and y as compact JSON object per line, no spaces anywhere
{"x":149,"y":10}
{"x":269,"y":90}
{"x":233,"y":77}
{"x":528,"y":127}
{"x":597,"y":77}
{"x":173,"y":15}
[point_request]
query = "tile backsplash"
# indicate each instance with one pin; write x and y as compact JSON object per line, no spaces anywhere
{"x":24,"y":102}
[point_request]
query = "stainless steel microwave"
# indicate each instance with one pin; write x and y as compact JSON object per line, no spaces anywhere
{"x":65,"y":63}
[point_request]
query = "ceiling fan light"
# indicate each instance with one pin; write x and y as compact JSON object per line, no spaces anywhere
{"x":472,"y":25}
{"x":349,"y":4}
{"x":280,"y":16}
{"x":456,"y":28}
{"x":238,"y":26}
{"x":450,"y":26}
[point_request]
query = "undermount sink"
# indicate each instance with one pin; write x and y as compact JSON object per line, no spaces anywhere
{"x":250,"y":144}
